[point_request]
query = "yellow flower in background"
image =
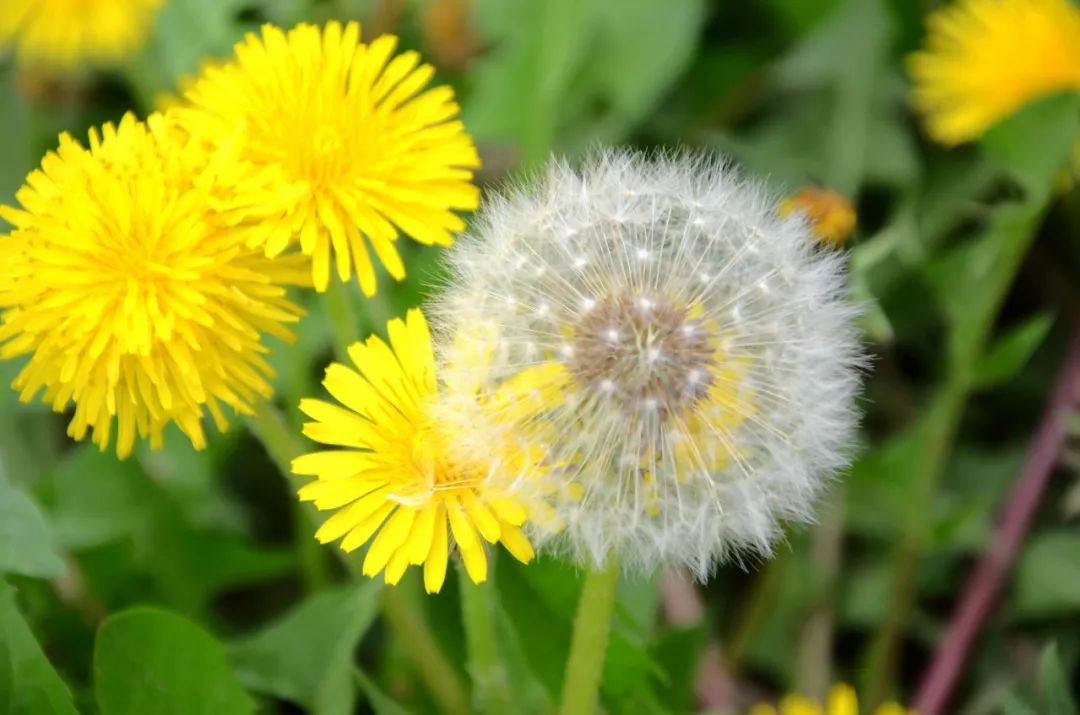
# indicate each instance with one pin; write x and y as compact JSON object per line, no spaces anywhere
{"x":129,"y":296}
{"x":408,"y":475}
{"x":65,"y":34}
{"x":830,"y":215}
{"x":984,"y":59}
{"x":841,"y":700}
{"x":343,"y":143}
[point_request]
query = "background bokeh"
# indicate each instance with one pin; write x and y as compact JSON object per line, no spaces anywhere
{"x":966,"y":319}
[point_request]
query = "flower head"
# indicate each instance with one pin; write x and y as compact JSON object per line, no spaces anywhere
{"x":130,"y":296}
{"x":841,"y":700}
{"x":984,"y":59}
{"x":831,"y":216}
{"x":343,"y":144}
{"x":66,"y":33}
{"x":703,"y":352}
{"x":404,"y":476}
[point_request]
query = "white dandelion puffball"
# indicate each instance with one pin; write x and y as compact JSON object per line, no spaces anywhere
{"x":706,"y":352}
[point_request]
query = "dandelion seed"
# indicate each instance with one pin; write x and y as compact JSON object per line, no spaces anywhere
{"x":132,"y":299}
{"x":984,"y":59}
{"x":408,"y":478}
{"x":695,"y":411}
{"x":343,"y":143}
{"x":62,"y":34}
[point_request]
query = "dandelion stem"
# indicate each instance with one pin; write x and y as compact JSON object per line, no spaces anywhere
{"x":271,"y":428}
{"x":339,"y":308}
{"x":986,"y":579}
{"x":592,"y":627}
{"x":491,"y":687}
{"x":439,"y":675}
{"x":814,"y":668}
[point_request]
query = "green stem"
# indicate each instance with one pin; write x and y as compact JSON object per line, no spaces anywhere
{"x":420,"y":645}
{"x":814,"y":661}
{"x":283,"y":445}
{"x":754,"y":609}
{"x":272,"y":430}
{"x":343,"y":320}
{"x":592,"y":627}
{"x":491,"y":686}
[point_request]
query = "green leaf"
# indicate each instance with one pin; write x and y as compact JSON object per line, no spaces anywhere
{"x":306,"y":656}
{"x":1055,"y":685}
{"x":97,"y":498}
{"x":971,"y":280}
{"x":149,"y":660}
{"x":518,"y":89}
{"x":1011,"y":704}
{"x":26,"y":544}
{"x":572,"y":71}
{"x":1034,"y":144}
{"x":379,"y":701}
{"x":187,"y":33}
{"x":1004,"y":360}
{"x":679,"y":650}
{"x":1047,"y":582}
{"x":15,"y":141}
{"x":541,"y":601}
{"x":28,"y":683}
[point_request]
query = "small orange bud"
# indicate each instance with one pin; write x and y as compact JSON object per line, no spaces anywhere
{"x":831,"y":216}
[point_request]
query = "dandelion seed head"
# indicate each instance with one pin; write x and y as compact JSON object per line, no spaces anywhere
{"x":708,"y":393}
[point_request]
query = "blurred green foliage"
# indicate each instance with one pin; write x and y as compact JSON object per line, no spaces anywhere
{"x":184,"y":582}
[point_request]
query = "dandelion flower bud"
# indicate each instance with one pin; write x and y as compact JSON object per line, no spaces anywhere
{"x":343,"y":143}
{"x":831,"y":216}
{"x":131,"y":297}
{"x":705,"y":352}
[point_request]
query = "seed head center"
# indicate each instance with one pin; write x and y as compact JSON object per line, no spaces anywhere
{"x":647,"y":353}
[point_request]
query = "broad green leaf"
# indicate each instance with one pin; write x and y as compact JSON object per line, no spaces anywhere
{"x":28,"y":683}
{"x":26,"y":544}
{"x":627,"y":82}
{"x":96,"y":498}
{"x":519,"y":90}
{"x":541,"y":600}
{"x":1034,"y":145}
{"x":1013,"y":705}
{"x":1056,"y":689}
{"x":380,"y":702}
{"x":1008,"y":356}
{"x":16,"y":144}
{"x":571,"y":72}
{"x":147,"y":660}
{"x":187,"y":34}
{"x":306,"y":656}
{"x":679,"y":650}
{"x":971,"y":280}
{"x":1047,"y":582}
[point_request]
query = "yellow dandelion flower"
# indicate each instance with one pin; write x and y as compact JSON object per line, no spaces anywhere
{"x":830,"y":215}
{"x":841,"y":700}
{"x":131,"y":299}
{"x":66,"y":33}
{"x":344,"y":143}
{"x":406,"y":476}
{"x":984,"y":59}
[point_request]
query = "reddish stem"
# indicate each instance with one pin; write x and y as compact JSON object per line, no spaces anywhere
{"x":984,"y":583}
